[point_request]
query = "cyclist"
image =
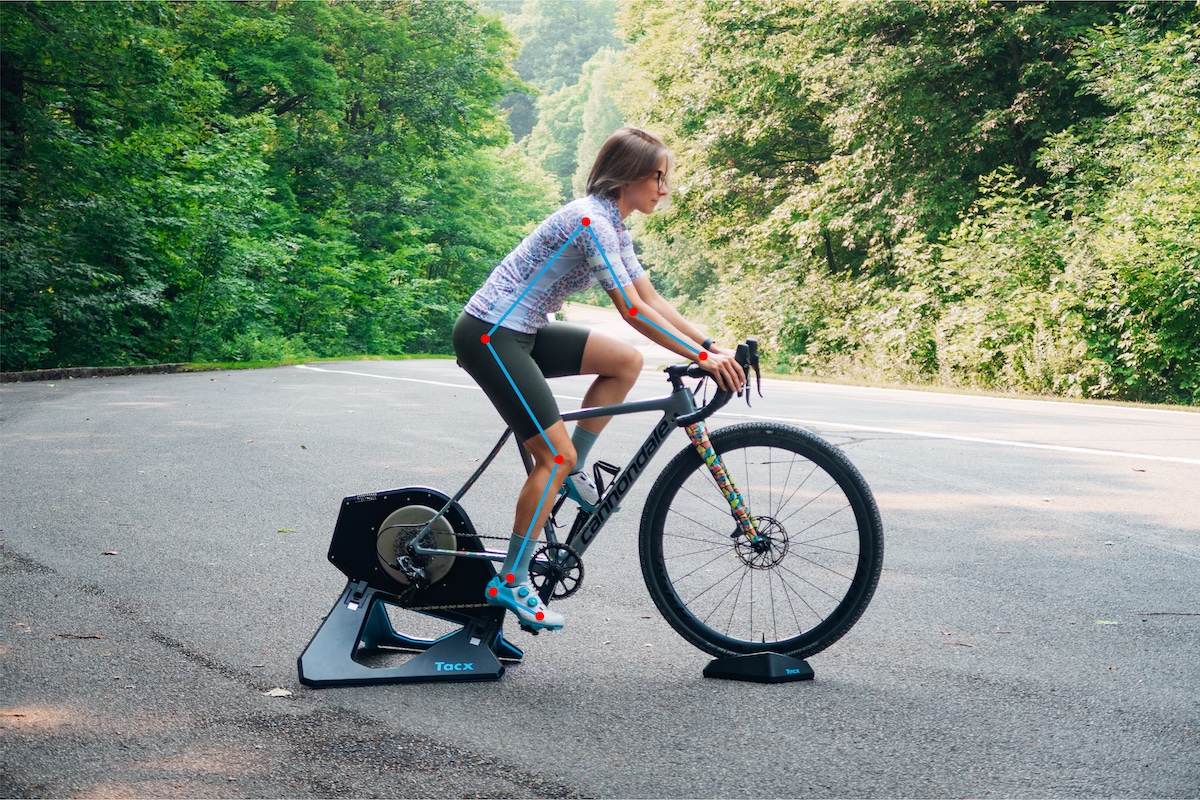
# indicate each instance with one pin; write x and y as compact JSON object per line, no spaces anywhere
{"x":631,"y":173}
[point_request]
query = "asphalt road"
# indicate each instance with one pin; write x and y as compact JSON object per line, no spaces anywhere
{"x":1036,"y":631}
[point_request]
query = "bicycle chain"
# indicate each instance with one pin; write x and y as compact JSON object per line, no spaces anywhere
{"x":450,"y":607}
{"x":453,"y":606}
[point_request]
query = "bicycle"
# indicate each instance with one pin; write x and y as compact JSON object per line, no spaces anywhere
{"x":758,"y":537}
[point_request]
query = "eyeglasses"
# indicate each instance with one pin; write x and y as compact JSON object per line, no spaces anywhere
{"x":662,"y":180}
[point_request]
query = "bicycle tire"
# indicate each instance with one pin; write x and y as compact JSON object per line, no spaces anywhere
{"x":824,"y":560}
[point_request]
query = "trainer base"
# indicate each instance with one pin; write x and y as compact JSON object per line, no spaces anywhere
{"x":760,"y":668}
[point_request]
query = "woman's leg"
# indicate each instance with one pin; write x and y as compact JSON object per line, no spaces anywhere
{"x":544,"y":481}
{"x":511,"y":588}
{"x":617,"y":366}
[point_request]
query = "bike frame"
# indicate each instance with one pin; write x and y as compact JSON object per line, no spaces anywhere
{"x":680,"y":403}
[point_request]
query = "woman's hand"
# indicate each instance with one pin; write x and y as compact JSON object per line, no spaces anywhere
{"x":725,"y":370}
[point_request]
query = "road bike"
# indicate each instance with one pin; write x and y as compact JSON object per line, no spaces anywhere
{"x":756,"y":537}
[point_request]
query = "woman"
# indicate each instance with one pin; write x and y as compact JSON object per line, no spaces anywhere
{"x":503,"y":339}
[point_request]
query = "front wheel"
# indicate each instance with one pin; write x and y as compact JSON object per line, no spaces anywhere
{"x":807,"y":581}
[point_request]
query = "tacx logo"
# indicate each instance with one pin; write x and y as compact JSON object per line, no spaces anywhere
{"x":455,"y":666}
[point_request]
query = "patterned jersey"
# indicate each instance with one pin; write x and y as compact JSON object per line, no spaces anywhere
{"x":534,"y":279}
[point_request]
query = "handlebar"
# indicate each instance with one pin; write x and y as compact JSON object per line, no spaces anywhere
{"x":746,"y":356}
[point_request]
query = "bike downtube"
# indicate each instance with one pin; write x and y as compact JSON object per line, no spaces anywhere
{"x":698,"y":433}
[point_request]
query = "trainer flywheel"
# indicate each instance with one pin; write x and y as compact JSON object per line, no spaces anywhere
{"x":397,"y":533}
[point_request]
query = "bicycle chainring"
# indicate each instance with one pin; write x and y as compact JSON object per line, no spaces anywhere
{"x":557,"y":566}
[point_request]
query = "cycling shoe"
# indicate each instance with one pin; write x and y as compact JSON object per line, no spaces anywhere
{"x":522,"y":599}
{"x":580,"y":487}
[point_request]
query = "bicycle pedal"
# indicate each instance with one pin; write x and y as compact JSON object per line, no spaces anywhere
{"x":529,"y":629}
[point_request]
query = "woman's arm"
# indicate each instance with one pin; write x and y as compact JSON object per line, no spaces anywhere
{"x":654,"y":325}
{"x":651,"y":297}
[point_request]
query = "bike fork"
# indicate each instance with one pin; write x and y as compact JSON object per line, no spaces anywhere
{"x":698,"y":433}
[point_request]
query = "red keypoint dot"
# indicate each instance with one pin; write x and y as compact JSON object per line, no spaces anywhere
{"x":493,"y":591}
{"x":540,"y":616}
{"x":558,"y":459}
{"x":585,"y":221}
{"x":633,"y":311}
{"x":510,"y":578}
{"x":703,"y":356}
{"x":485,"y":338}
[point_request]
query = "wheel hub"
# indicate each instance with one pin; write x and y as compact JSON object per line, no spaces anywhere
{"x":768,"y":551}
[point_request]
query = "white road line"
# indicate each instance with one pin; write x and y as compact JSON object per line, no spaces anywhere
{"x":973,"y":439}
{"x":387,"y":377}
{"x":824,"y":424}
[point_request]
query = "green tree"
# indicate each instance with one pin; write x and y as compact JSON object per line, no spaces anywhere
{"x":557,"y":40}
{"x":243,"y":180}
{"x":600,"y":115}
{"x":1131,"y":182}
{"x":113,"y":149}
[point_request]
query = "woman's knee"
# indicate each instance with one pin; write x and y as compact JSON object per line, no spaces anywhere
{"x":611,"y":358}
{"x":633,"y":365}
{"x":569,"y":458}
{"x":547,"y":450}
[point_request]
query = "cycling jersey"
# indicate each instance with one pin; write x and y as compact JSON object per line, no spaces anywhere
{"x":531,"y":283}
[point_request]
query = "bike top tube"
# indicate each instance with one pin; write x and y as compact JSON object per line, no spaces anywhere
{"x":681,"y":400}
{"x":665,"y":403}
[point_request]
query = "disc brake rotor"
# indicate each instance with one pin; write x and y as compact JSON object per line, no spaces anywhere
{"x":770,"y":550}
{"x":397,"y":533}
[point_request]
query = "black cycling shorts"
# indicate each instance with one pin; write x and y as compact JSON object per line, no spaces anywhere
{"x":554,"y":351}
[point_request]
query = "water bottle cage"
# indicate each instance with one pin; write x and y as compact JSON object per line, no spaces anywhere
{"x":598,"y":472}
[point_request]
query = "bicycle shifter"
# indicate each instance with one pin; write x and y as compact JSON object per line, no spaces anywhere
{"x":747,"y":356}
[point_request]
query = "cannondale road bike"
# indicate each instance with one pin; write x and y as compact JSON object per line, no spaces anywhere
{"x":756,"y":537}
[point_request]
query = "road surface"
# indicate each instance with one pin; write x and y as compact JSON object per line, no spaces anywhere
{"x":1036,"y":630}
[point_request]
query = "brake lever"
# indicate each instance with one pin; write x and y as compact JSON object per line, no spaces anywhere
{"x":758,"y":378}
{"x":750,"y":348}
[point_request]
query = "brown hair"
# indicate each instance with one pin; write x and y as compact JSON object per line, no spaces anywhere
{"x":629,"y":155}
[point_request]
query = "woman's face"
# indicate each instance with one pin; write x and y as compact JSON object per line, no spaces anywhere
{"x":645,"y":195}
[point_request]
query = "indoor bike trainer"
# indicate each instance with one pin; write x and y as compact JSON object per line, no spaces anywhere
{"x":372,"y":534}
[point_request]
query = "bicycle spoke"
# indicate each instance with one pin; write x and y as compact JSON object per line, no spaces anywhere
{"x":705,"y":500}
{"x":702,"y":566}
{"x":685,"y":538}
{"x":676,"y":556}
{"x":811,"y":500}
{"x":833,"y":550}
{"x":788,"y":597}
{"x":696,"y":522}
{"x":733,"y":611}
{"x":799,"y":486}
{"x":712,"y":586}
{"x":802,"y":579}
{"x":775,"y":512}
{"x":796,"y":588}
{"x":826,"y":518}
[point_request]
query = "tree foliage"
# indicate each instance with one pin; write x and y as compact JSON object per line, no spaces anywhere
{"x":990,"y":194}
{"x":1001,"y":195}
{"x":246,"y":180}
